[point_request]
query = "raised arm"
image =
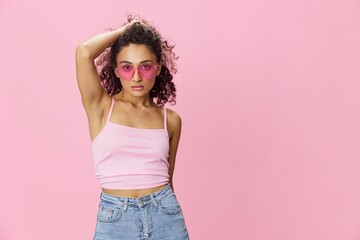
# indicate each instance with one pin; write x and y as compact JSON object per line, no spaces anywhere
{"x":92,"y":93}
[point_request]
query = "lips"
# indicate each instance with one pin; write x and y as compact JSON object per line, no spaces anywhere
{"x":137,"y":88}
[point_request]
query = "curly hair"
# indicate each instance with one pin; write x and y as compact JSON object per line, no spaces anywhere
{"x":164,"y":89}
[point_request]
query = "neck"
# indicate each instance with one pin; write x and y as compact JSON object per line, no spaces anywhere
{"x":135,"y":101}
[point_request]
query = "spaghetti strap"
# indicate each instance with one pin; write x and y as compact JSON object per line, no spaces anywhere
{"x":165,"y":119}
{"x":111,"y":109}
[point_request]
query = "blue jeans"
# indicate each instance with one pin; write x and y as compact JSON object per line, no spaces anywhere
{"x":155,"y":216}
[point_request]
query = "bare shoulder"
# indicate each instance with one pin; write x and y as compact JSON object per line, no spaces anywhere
{"x":173,"y":116}
{"x":174,"y":122}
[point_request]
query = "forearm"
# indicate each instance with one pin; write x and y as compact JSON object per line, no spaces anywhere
{"x":94,"y":46}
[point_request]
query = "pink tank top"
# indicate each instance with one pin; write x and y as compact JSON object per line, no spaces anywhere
{"x":131,"y":158}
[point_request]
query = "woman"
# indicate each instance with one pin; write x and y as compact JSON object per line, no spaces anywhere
{"x":134,"y":138}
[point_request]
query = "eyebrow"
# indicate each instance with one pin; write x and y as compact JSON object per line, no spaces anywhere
{"x":132,"y":63}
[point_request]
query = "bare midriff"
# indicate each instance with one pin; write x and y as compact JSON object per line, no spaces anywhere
{"x":132,"y":193}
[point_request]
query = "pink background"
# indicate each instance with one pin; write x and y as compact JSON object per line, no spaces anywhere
{"x":269,"y":96}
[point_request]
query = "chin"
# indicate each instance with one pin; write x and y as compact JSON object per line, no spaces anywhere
{"x":140,"y":93}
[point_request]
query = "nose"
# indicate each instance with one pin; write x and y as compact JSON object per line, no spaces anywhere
{"x":136,"y":76}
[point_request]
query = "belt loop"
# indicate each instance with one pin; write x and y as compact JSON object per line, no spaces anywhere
{"x":126,"y":204}
{"x":153,"y":200}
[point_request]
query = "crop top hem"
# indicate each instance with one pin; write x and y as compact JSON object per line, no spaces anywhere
{"x":138,"y":187}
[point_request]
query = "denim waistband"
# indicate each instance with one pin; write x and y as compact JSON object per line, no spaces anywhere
{"x":140,"y":201}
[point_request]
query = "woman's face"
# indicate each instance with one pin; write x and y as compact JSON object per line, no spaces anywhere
{"x":136,"y":68}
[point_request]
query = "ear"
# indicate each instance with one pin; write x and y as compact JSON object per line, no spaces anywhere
{"x":158,"y":70}
{"x":116,"y":72}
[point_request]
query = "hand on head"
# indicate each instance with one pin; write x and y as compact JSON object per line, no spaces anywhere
{"x":134,"y":19}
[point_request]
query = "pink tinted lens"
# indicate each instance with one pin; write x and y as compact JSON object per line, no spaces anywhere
{"x":146,"y":71}
{"x":125,"y":72}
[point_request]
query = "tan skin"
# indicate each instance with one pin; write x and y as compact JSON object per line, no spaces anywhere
{"x":132,"y":108}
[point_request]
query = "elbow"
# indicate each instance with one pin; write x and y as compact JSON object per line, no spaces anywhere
{"x":82,"y":51}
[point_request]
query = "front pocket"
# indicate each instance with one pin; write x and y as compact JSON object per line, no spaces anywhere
{"x":109,"y":214}
{"x":169,"y":204}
